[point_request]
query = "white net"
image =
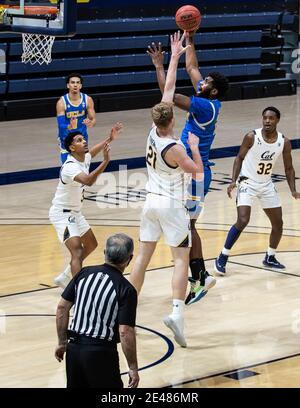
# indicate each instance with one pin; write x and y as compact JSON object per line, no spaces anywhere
{"x":37,"y":48}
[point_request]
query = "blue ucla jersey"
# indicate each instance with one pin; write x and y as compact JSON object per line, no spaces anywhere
{"x":201,"y":121}
{"x":79,"y":112}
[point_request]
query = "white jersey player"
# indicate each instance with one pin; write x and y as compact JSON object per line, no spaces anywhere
{"x":252,"y":174}
{"x":65,"y":213}
{"x":164,"y":211}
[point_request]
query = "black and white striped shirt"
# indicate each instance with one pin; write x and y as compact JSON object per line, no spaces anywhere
{"x":103,"y":300}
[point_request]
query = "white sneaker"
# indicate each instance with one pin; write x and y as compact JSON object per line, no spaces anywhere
{"x":210,"y":282}
{"x":176,"y":325}
{"x":62,"y":280}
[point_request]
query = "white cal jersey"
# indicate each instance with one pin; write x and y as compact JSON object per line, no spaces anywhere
{"x":69,"y":193}
{"x":260,"y":159}
{"x":164,"y":179}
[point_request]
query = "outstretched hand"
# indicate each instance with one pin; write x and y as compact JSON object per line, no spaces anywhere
{"x":156,"y":54}
{"x":189,"y":35}
{"x":296,"y":195}
{"x":116,"y":131}
{"x":176,"y":44}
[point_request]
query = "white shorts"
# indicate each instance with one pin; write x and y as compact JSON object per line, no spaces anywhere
{"x":265,"y":192}
{"x":159,"y":216}
{"x":67,"y":223}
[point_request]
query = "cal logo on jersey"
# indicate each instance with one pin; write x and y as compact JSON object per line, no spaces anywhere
{"x":267,"y":156}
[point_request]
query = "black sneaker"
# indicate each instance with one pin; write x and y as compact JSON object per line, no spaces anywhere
{"x":271,"y":262}
{"x":196,"y":291}
{"x":200,"y":287}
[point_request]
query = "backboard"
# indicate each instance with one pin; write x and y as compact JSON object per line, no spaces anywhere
{"x":52,"y":17}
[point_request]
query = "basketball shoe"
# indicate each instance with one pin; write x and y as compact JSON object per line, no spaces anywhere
{"x":200,"y":287}
{"x":271,"y":262}
{"x":64,"y":278}
{"x":220,"y":264}
{"x":176,"y":324}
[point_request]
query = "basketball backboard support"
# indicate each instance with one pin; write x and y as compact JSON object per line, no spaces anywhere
{"x":52,"y":17}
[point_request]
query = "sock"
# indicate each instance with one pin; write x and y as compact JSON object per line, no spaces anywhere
{"x":225,"y":251}
{"x":232,"y":237}
{"x":67,"y":271}
{"x":178,"y":308}
{"x":271,"y":251}
{"x":196,"y":266}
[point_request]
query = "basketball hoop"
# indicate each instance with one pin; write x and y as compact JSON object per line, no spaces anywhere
{"x":37,"y":48}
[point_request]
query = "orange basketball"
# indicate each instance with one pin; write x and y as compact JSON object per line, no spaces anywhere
{"x":188,"y":18}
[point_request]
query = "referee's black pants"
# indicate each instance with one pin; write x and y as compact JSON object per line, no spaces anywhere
{"x":92,"y":366}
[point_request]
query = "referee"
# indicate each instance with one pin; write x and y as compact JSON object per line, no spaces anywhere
{"x":104,"y":313}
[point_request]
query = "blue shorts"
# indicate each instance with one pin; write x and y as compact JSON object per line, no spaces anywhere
{"x":197,"y":191}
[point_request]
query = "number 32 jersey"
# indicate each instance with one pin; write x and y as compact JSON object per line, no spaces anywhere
{"x":261,"y":157}
{"x":163,"y":179}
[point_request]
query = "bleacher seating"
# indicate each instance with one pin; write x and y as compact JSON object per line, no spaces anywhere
{"x":245,"y":46}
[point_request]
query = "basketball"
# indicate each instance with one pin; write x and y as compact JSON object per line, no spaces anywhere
{"x":188,"y":18}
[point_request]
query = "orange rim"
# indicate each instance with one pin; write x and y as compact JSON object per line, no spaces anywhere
{"x":34,"y":10}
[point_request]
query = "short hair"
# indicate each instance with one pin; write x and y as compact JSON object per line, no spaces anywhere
{"x":69,"y":140}
{"x":162,"y":114}
{"x":273,"y":109}
{"x":119,"y":248}
{"x":72,"y":75}
{"x":220,"y":83}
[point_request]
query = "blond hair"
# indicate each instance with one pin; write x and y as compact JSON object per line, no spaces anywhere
{"x":162,"y":114}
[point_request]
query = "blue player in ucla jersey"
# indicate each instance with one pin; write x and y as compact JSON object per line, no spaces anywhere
{"x":203,"y":110}
{"x":75,"y":112}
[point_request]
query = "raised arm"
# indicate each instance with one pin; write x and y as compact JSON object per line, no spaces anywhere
{"x":289,"y":168}
{"x":191,"y":61}
{"x":114,"y":133}
{"x":237,"y":165}
{"x":177,"y":50}
{"x":90,"y":121}
{"x":89,"y":179}
{"x":157,"y":56}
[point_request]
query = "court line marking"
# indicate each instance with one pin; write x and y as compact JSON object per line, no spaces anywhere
{"x":233,"y":370}
{"x":135,"y":226}
{"x":170,"y":345}
{"x":266,"y":269}
{"x":171,"y":266}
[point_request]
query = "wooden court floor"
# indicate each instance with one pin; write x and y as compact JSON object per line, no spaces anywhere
{"x":244,"y":333}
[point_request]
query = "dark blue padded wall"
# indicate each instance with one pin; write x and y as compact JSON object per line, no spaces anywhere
{"x":110,"y":54}
{"x":99,"y":9}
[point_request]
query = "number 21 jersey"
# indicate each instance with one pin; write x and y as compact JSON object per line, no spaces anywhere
{"x":163,"y":179}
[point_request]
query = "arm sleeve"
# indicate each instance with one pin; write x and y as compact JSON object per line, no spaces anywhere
{"x":202,"y":108}
{"x":127,"y":307}
{"x":63,"y":124}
